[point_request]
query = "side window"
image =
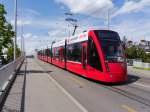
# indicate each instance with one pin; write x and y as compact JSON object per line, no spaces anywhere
{"x":93,"y":57}
{"x":47,"y":52}
{"x":74,"y":52}
{"x":50,"y":52}
{"x":63,"y":52}
{"x":77,"y":52}
{"x":57,"y":52}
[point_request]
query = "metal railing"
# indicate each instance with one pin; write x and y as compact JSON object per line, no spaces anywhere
{"x":7,"y":71}
{"x":7,"y":74}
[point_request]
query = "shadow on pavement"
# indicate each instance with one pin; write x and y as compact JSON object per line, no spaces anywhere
{"x":23,"y":89}
{"x":131,"y":79}
{"x":37,"y":71}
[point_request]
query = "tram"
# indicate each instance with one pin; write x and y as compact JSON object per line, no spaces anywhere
{"x":95,"y":54}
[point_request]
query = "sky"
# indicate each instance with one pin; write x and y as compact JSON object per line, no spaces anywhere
{"x":43,"y":21}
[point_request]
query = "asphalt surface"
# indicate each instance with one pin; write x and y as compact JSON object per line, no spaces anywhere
{"x":52,"y":89}
{"x":132,"y":96}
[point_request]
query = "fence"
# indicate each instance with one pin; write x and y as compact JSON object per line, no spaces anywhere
{"x":7,"y":74}
{"x":129,"y":62}
{"x":140,"y":64}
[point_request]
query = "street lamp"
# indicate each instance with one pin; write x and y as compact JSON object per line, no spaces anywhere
{"x":15,"y":27}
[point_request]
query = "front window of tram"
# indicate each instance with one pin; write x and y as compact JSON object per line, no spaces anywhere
{"x":111,"y":46}
{"x":112,"y":50}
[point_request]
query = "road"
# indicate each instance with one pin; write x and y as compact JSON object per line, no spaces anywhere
{"x":132,"y":96}
{"x":42,"y":87}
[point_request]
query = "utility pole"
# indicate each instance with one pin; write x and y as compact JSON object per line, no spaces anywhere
{"x":23,"y":47}
{"x":108,"y":19}
{"x":21,"y":39}
{"x":22,"y":42}
{"x":15,"y":27}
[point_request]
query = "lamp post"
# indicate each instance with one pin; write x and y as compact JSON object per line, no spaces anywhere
{"x":108,"y":17}
{"x":15,"y":27}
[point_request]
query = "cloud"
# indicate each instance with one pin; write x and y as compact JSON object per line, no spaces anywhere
{"x":99,"y":8}
{"x":56,"y":29}
{"x":32,"y":12}
{"x":28,"y":35}
{"x":133,"y":30}
{"x":131,"y":6}
{"x":33,"y":42}
{"x":22,"y":22}
{"x":88,"y":7}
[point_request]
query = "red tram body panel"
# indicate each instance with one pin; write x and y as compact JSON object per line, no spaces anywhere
{"x":96,"y":54}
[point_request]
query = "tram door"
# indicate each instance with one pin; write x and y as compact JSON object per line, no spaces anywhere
{"x":84,"y":55}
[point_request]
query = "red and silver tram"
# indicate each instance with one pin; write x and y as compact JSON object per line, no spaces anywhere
{"x":96,"y":54}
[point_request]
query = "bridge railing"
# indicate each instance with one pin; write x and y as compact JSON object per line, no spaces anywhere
{"x":7,"y":74}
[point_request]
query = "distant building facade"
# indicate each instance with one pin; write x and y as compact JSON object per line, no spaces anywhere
{"x":143,"y":44}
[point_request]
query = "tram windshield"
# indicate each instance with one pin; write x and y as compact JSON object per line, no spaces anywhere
{"x":111,"y":46}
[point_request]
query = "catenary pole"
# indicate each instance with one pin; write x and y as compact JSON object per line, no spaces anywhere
{"x":15,"y":27}
{"x":108,"y":19}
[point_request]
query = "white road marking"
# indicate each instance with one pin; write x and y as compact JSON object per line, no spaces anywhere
{"x":10,"y":77}
{"x":4,"y":86}
{"x":80,"y":106}
{"x":142,"y":85}
{"x":68,"y":94}
{"x":0,"y":93}
{"x":129,"y":109}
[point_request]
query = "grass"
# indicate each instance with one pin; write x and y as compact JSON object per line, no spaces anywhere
{"x":142,"y":68}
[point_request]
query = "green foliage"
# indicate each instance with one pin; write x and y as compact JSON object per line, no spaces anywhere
{"x":18,"y":52}
{"x":10,"y":53}
{"x":147,"y":58}
{"x":6,"y":32}
{"x":131,"y":53}
{"x":134,"y":53}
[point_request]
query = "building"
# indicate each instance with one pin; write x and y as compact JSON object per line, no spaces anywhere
{"x":145,"y":45}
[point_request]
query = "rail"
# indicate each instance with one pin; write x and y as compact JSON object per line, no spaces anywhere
{"x":7,"y":74}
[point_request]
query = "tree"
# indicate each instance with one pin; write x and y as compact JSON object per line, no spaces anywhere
{"x":131,"y":53}
{"x":135,"y":53}
{"x":148,"y":58}
{"x":6,"y":32}
{"x":10,"y":53}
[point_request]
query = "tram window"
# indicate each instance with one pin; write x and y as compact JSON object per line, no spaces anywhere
{"x":74,"y":52}
{"x":93,"y":57}
{"x":57,"y":53}
{"x":50,"y":52}
{"x":63,"y":52}
{"x":47,"y":52}
{"x":43,"y":52}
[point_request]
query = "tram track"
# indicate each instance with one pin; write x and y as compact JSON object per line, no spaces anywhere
{"x":128,"y":94}
{"x":139,"y":89}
